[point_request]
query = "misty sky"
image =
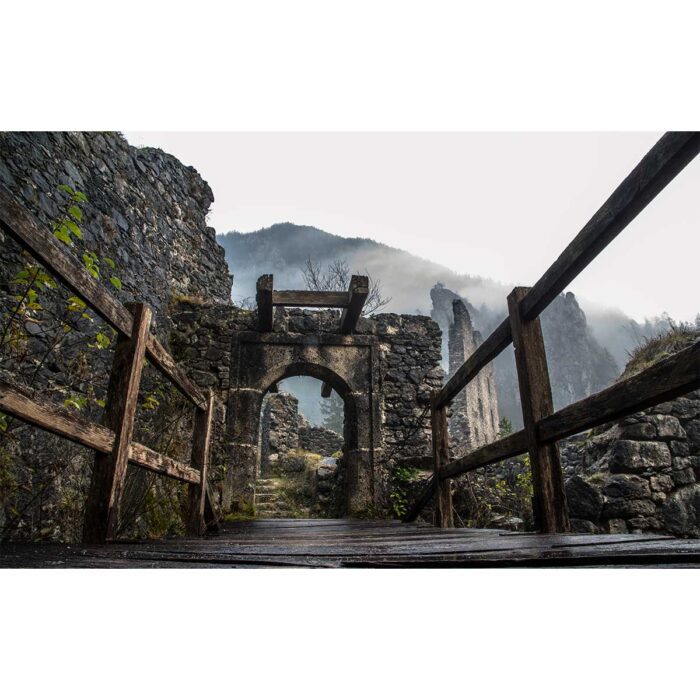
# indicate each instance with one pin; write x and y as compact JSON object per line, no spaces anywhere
{"x":499,"y":205}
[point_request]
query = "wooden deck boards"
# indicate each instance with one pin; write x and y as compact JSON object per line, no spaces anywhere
{"x":358,"y":543}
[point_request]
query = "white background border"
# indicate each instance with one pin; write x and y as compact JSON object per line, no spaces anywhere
{"x":361,"y":65}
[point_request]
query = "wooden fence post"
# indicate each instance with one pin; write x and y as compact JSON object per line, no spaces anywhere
{"x":201,"y":441}
{"x":443,"y":492}
{"x":109,"y":470}
{"x":263,"y":297}
{"x":550,"y":510}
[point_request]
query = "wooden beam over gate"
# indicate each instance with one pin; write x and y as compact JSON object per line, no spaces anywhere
{"x":310,"y":299}
{"x":358,"y":292}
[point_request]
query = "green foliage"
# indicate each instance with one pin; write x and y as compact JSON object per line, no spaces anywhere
{"x":401,"y":478}
{"x":333,"y":412}
{"x":77,"y":402}
{"x":491,"y":498}
{"x":43,"y":329}
{"x":150,"y":403}
{"x":653,"y":350}
{"x":505,"y":427}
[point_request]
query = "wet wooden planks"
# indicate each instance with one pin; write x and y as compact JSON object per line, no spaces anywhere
{"x":360,"y":543}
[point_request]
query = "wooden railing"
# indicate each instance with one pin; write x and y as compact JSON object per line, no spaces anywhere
{"x":112,"y":441}
{"x":673,"y":377}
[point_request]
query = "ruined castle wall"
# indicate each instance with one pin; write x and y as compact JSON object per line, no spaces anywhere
{"x":319,"y":440}
{"x":474,"y":419}
{"x":640,"y":475}
{"x":279,"y":427}
{"x":398,"y":359}
{"x":145,"y":210}
{"x":410,"y":354}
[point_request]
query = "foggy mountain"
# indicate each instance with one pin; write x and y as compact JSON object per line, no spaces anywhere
{"x":588,"y":340}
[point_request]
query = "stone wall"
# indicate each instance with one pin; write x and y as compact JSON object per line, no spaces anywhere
{"x":317,"y":439}
{"x":146,"y":212}
{"x":279,"y":427}
{"x":474,"y":419}
{"x":410,"y":354}
{"x":404,"y":371}
{"x":641,"y":474}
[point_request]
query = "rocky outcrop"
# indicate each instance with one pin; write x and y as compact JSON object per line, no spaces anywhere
{"x":641,"y":474}
{"x":474,"y":419}
{"x":578,"y":364}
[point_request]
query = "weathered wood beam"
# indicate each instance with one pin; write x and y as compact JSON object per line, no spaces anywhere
{"x":668,"y":379}
{"x":18,"y":223}
{"x":54,"y":418}
{"x":159,"y":463}
{"x":18,"y":402}
{"x":311,"y":299}
{"x":509,"y":446}
{"x":424,"y":497}
{"x":326,"y":390}
{"x":441,"y":455}
{"x":498,"y":341}
{"x":665,"y":380}
{"x":358,"y":292}
{"x":549,"y":502}
{"x":263,"y":296}
{"x":663,"y":162}
{"x":109,"y":470}
{"x":165,"y":362}
{"x":201,"y":453}
{"x":671,"y":153}
{"x":422,"y":462}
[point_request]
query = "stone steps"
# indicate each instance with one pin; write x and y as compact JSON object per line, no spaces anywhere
{"x":268,"y":500}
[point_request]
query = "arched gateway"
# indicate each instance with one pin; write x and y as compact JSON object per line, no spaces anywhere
{"x":346,"y":363}
{"x":344,"y":360}
{"x":384,"y":368}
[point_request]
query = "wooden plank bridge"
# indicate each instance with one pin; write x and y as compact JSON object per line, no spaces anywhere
{"x":363,"y":543}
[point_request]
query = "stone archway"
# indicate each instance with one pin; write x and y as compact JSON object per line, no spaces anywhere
{"x":347,"y":363}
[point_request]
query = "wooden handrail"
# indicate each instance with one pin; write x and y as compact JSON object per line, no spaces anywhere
{"x":493,"y":346}
{"x":665,"y":380}
{"x":29,"y":233}
{"x":112,"y":442}
{"x":670,"y":378}
{"x":660,"y":165}
{"x":54,"y":418}
{"x":671,"y":153}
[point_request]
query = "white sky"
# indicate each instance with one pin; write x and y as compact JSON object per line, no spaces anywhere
{"x":500,"y":205}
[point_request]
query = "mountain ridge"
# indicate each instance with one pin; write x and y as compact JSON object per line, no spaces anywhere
{"x":283,"y":248}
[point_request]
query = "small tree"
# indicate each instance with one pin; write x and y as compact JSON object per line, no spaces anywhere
{"x":336,"y":278}
{"x":333,"y":411}
{"x":505,"y":427}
